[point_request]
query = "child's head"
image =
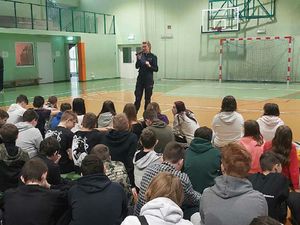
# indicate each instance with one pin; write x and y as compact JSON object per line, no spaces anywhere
{"x":204,"y":133}
{"x":130,"y":111}
{"x":251,"y":129}
{"x":148,"y":139}
{"x":78,"y":106}
{"x":270,"y":162}
{"x":271,"y":109}
{"x":52,"y":101}
{"x":3,"y":117}
{"x":108,"y":106}
{"x":101,"y":151}
{"x":38,"y":102}
{"x":22,"y":100}
{"x":9,"y":133}
{"x":120,"y":122}
{"x":50,"y":147}
{"x":65,"y":106}
{"x":69,"y":119}
{"x":89,"y":121}
{"x":30,"y":116}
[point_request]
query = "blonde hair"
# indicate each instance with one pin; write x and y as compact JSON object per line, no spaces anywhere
{"x":120,"y":122}
{"x":165,"y":185}
{"x":148,"y":44}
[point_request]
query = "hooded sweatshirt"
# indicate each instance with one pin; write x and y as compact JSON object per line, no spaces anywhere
{"x":163,"y":133}
{"x":12,"y":160}
{"x":227,"y":127}
{"x":185,"y":126}
{"x":15,"y":112}
{"x":29,"y":138}
{"x":122,"y":146}
{"x":231,"y":201}
{"x":202,"y":163}
{"x":162,"y":211}
{"x":91,"y":201}
{"x":268,"y":126}
{"x":105,"y":119}
{"x":141,"y":164}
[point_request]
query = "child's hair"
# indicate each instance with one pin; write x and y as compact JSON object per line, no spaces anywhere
{"x":165,"y":185}
{"x":120,"y":122}
{"x":236,"y":160}
{"x":130,"y":111}
{"x":38,"y":101}
{"x":264,"y":220}
{"x":228,"y":104}
{"x":33,"y":170}
{"x":204,"y":133}
{"x":9,"y":133}
{"x":89,"y":121}
{"x":155,"y":106}
{"x":3,"y":114}
{"x":68,"y":115}
{"x":282,"y":143}
{"x":52,"y":101}
{"x":30,"y":115}
{"x":108,"y":106}
{"x":268,"y":160}
{"x":271,"y":109}
{"x":180,"y":108}
{"x":251,"y":129}
{"x":148,"y":138}
{"x":22,"y":98}
{"x":101,"y":151}
{"x":65,"y":106}
{"x":78,"y":106}
{"x":49,"y":146}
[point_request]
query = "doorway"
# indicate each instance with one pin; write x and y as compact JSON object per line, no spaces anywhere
{"x":45,"y":62}
{"x":73,"y":61}
{"x":127,"y":60}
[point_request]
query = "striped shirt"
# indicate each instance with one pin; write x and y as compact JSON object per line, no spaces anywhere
{"x":191,"y":196}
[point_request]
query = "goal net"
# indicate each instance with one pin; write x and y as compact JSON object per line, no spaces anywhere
{"x":259,"y":59}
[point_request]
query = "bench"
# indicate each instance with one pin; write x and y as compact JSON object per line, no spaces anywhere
{"x":22,"y":82}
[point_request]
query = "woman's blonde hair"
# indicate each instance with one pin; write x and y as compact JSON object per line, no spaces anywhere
{"x":165,"y":185}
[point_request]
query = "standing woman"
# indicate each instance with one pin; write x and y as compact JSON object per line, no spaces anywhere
{"x":227,"y":124}
{"x":106,"y":115}
{"x":146,"y":63}
{"x":253,"y":142}
{"x":184,"y":123}
{"x":282,"y":144}
{"x":78,"y":107}
{"x":135,"y":126}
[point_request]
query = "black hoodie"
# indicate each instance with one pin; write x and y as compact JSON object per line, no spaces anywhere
{"x":96,"y":200}
{"x":122,"y":146}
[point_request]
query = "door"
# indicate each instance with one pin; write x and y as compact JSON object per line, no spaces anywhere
{"x":127,"y":59}
{"x":45,"y":62}
{"x":73,"y":60}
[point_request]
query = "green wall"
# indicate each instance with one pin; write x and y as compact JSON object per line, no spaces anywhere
{"x":190,"y":54}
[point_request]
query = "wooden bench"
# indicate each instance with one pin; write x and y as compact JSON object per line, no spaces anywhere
{"x":22,"y":82}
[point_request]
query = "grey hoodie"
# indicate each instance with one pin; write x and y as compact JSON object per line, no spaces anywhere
{"x":231,"y":201}
{"x":227,"y":127}
{"x":141,"y":165}
{"x":29,"y":138}
{"x":105,"y":119}
{"x":268,"y":126}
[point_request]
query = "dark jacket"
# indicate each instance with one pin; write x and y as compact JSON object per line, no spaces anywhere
{"x":96,"y":200}
{"x":275,"y":188}
{"x":145,"y":72}
{"x":163,"y":133}
{"x":33,"y":205}
{"x":53,"y":176}
{"x":12,"y":159}
{"x":202,"y":163}
{"x":122,"y":146}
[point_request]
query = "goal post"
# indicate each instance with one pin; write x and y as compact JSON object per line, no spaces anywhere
{"x":265,"y":59}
